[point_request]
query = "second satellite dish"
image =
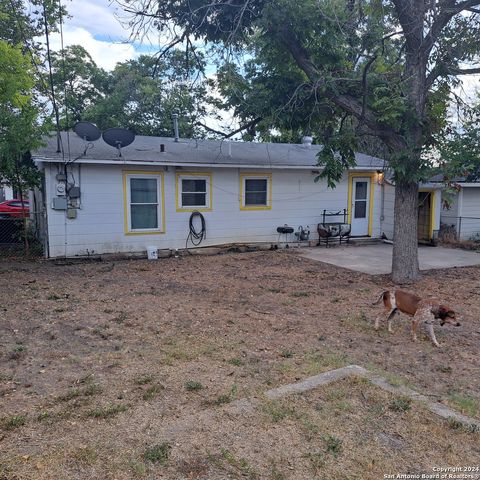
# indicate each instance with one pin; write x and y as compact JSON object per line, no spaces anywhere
{"x":118,"y":138}
{"x":88,"y":131}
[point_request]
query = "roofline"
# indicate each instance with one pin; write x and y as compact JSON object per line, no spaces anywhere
{"x":191,"y":164}
{"x":460,"y":184}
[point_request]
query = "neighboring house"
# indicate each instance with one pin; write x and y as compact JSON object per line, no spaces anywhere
{"x":461,"y":211}
{"x":244,"y":190}
{"x":6,"y":193}
{"x":429,"y":207}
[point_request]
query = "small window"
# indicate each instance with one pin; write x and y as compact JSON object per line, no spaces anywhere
{"x":194,"y":192}
{"x":144,"y":203}
{"x":256,"y":192}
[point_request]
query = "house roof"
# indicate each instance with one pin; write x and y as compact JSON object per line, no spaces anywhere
{"x":146,"y":150}
{"x":471,"y":180}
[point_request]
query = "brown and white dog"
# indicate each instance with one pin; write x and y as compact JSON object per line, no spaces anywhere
{"x":425,"y":311}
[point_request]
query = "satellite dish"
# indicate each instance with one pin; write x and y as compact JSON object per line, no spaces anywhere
{"x":118,"y":138}
{"x":88,"y":131}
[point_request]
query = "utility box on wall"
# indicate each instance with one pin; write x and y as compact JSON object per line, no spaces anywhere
{"x":59,"y":203}
{"x":71,"y":213}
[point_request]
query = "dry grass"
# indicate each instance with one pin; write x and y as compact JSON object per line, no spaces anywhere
{"x":111,"y":362}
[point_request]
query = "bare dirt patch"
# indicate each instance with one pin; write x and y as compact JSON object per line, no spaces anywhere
{"x":103,"y":367}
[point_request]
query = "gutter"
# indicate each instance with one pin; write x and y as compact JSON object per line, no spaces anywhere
{"x":39,"y":160}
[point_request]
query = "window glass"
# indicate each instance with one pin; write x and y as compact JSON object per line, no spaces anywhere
{"x":194,"y":192}
{"x":143,"y":190}
{"x":144,"y":213}
{"x":361,"y":190}
{"x":256,"y":191}
{"x":360,"y":209}
{"x":194,"y":185}
{"x":194,"y":199}
{"x":144,"y":216}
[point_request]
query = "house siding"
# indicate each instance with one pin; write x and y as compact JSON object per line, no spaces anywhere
{"x":470,"y":213}
{"x":388,"y":217}
{"x":464,"y":213}
{"x":388,"y":209}
{"x":99,"y":226}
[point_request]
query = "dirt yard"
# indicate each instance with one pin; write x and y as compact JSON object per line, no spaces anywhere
{"x":130,"y":369}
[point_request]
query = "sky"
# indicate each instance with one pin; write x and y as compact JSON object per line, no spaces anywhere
{"x":93,"y":25}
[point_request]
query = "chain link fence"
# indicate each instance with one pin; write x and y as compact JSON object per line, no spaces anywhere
{"x":460,"y":228}
{"x":22,"y":236}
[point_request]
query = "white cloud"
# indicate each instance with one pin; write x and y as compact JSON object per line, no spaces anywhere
{"x":470,"y":87}
{"x":105,"y":54}
{"x":96,"y":16}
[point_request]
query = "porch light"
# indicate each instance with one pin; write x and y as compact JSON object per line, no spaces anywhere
{"x":380,"y":177}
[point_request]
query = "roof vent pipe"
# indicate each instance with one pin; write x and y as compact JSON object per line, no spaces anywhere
{"x":175,"y":126}
{"x":307,"y":141}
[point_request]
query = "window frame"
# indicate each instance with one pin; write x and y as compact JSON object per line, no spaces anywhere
{"x":147,"y":175}
{"x":255,"y":176}
{"x":207,"y":176}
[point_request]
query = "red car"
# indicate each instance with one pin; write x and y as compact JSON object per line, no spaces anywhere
{"x":13,"y":208}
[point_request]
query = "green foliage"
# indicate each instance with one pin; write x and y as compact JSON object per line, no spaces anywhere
{"x":107,"y":411}
{"x":15,"y":421}
{"x":333,"y":445}
{"x":141,"y":94}
{"x":459,"y":147}
{"x":19,"y":119}
{"x":158,"y":453}
{"x":400,"y":404}
{"x":79,"y":84}
{"x":339,"y":71}
{"x":193,"y":386}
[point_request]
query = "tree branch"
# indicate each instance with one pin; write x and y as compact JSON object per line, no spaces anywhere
{"x":347,"y":103}
{"x":441,"y":69}
{"x":449,"y":10}
{"x":234,"y":132}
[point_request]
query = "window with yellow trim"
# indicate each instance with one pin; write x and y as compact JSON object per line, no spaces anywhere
{"x":194,"y":191}
{"x":256,"y":191}
{"x":144,"y":202}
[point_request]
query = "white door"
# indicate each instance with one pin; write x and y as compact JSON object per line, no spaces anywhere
{"x":360,"y":207}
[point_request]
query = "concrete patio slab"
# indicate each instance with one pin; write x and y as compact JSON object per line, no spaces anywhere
{"x":377,"y":259}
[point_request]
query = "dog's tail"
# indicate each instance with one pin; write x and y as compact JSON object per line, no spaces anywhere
{"x":377,"y":301}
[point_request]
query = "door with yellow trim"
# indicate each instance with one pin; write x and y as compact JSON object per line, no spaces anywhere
{"x":360,"y":207}
{"x":424,"y":216}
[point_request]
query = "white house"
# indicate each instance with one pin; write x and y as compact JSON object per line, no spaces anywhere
{"x":6,"y":193}
{"x":462,"y":212}
{"x":108,"y":203}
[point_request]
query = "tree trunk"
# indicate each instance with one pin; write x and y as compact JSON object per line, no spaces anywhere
{"x":405,"y":242}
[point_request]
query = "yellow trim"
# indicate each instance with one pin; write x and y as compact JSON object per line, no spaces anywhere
{"x":125,"y":174}
{"x":177,"y":192}
{"x":433,"y":192}
{"x":268,"y":176}
{"x":351,"y":176}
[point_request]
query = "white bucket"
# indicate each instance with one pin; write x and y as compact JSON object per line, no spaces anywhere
{"x":152,"y":253}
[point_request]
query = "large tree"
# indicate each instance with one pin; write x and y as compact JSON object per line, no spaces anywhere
{"x":19,"y":123}
{"x":24,"y":93}
{"x":142,"y":94}
{"x":78,"y":82}
{"x":382,"y":68}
